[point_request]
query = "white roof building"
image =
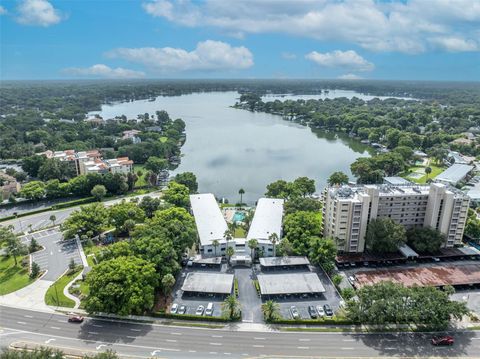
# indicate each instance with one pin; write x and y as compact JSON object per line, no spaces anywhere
{"x":210,"y":222}
{"x":267,"y":219}
{"x":454,"y":174}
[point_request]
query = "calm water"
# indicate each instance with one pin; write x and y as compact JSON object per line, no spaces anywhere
{"x":229,"y":149}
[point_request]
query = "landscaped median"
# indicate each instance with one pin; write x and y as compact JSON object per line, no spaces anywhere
{"x":192,"y":317}
{"x":55,"y":296}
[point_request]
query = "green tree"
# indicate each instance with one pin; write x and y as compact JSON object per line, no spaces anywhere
{"x":168,"y":281}
{"x":271,"y":310}
{"x":428,"y":170}
{"x":472,"y":227}
{"x":304,"y":186}
{"x":53,"y":168}
{"x":348,"y":293}
{"x":337,"y":178}
{"x":33,"y":246}
{"x":215,"y":244}
{"x":253,"y":245}
{"x":99,"y":191}
{"x":156,"y":164}
{"x":53,"y":218}
{"x":55,"y":189}
{"x":425,"y":240}
{"x":241,"y":192}
{"x":88,"y":221}
{"x":296,"y":204}
{"x":123,"y":285}
{"x":115,"y":250}
{"x":385,"y":236}
{"x":35,"y":353}
{"x":231,"y":307}
{"x":14,"y":247}
{"x":273,"y":238}
{"x":337,"y":279}
{"x":229,"y":253}
{"x":150,"y":205}
{"x":279,"y":189}
{"x":122,"y":213}
{"x":177,"y":194}
{"x":35,"y":270}
{"x":299,"y":227}
{"x":189,"y":180}
{"x":32,"y":164}
{"x":323,"y":252}
{"x":33,"y":190}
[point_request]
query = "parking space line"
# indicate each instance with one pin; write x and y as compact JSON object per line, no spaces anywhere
{"x":215,"y":343}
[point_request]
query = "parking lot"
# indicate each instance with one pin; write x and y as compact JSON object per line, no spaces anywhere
{"x":57,"y":254}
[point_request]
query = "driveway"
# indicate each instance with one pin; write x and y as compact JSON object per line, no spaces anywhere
{"x":57,"y":254}
{"x":248,"y":297}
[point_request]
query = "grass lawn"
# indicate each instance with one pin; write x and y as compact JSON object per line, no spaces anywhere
{"x":240,"y":232}
{"x":436,"y":170}
{"x":91,"y":252}
{"x":12,"y":278}
{"x":141,"y":180}
{"x":57,"y":289}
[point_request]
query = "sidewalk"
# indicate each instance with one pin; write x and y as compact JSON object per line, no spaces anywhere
{"x":30,"y":297}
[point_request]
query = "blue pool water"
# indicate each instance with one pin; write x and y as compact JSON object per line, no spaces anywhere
{"x":238,"y":217}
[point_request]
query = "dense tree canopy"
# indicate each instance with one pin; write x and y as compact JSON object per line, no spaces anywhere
{"x":425,"y":240}
{"x":337,"y":178}
{"x":177,"y":194}
{"x":121,"y":212}
{"x":88,"y":221}
{"x":299,"y":228}
{"x":187,"y":179}
{"x":384,"y":236}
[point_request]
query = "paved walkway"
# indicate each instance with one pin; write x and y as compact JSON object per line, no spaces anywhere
{"x":30,"y":297}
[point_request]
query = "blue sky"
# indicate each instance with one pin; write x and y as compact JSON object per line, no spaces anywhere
{"x":401,"y":40}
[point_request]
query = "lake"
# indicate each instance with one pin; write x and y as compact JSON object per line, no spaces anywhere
{"x":229,"y":149}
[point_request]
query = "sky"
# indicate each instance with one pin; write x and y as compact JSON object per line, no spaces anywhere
{"x":324,"y":39}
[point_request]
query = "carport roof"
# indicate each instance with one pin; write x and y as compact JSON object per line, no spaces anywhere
{"x":200,"y":282}
{"x":283,"y":261}
{"x":291,"y":283}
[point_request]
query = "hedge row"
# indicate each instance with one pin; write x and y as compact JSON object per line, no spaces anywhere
{"x":52,"y":208}
{"x":194,"y":317}
{"x":326,"y":321}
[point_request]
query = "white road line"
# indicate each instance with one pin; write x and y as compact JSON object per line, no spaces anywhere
{"x":131,"y":337}
{"x":303,"y":347}
{"x":98,"y":326}
{"x":348,"y":340}
{"x":57,"y":328}
{"x":213,"y":353}
{"x":258,"y":346}
{"x":28,"y":316}
{"x":136,"y":330}
{"x":303,"y":340}
{"x":389,"y":348}
{"x":227,"y":353}
{"x":259,"y":338}
{"x":217,"y":336}
{"x":171,"y":340}
{"x":245,"y":354}
{"x":192,"y":351}
{"x":215,"y":343}
{"x":174,"y":333}
{"x":93,"y":333}
{"x":23,"y":323}
{"x":347,"y":348}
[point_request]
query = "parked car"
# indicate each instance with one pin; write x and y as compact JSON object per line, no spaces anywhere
{"x":209,"y":310}
{"x":351,"y":279}
{"x":200,"y":310}
{"x":320,"y":311}
{"x":312,"y":311}
{"x":174,"y":308}
{"x":182,"y":309}
{"x":443,"y":340}
{"x":74,"y":318}
{"x":294,"y":312}
{"x":328,"y":310}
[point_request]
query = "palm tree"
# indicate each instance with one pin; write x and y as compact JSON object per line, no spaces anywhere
{"x":274,"y":239}
{"x":228,"y":235}
{"x":253,"y":244}
{"x":428,"y":170}
{"x":271,"y":310}
{"x":241,"y":192}
{"x":215,"y":244}
{"x":231,"y":307}
{"x":230,"y":252}
{"x":53,"y":219}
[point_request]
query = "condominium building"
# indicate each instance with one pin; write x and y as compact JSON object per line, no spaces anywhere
{"x":348,"y":210}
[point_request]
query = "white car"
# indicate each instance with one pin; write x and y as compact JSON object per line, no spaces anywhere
{"x":320,"y":311}
{"x":200,"y":310}
{"x":174,"y":308}
{"x":209,"y":310}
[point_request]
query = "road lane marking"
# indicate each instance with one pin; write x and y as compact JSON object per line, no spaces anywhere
{"x":131,"y":337}
{"x":347,"y":348}
{"x":259,"y":338}
{"x":57,"y":328}
{"x":98,"y":326}
{"x":28,"y":316}
{"x":227,"y":353}
{"x":303,"y":347}
{"x":49,"y":340}
{"x":171,"y":340}
{"x":390,"y":348}
{"x":258,"y":346}
{"x":175,"y":333}
{"x":136,"y":330}
{"x":23,"y":323}
{"x":217,"y":336}
{"x":192,"y":351}
{"x":100,"y":346}
{"x":303,"y":340}
{"x":215,"y":343}
{"x":213,"y":353}
{"x":93,"y":333}
{"x":348,"y":340}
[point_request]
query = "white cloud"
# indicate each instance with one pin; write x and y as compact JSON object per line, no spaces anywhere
{"x":401,"y":26}
{"x":209,"y":55}
{"x":104,"y":71}
{"x":38,"y":13}
{"x":455,"y":44}
{"x":2,"y":10}
{"x":350,"y":77}
{"x":342,"y":59}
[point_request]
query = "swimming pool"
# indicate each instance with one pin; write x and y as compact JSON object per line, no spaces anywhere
{"x":238,"y":217}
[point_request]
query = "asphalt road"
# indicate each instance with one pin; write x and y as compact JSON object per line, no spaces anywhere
{"x":147,"y":340}
{"x":42,"y":220}
{"x":57,"y":254}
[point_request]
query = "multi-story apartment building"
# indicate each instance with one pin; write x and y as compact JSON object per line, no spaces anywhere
{"x":85,"y":162}
{"x":348,"y":210}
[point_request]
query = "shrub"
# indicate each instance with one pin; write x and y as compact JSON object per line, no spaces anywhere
{"x":35,"y":270}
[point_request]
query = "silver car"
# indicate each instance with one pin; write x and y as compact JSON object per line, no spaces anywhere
{"x":174,"y":308}
{"x":200,"y":310}
{"x":320,"y":311}
{"x":294,"y":312}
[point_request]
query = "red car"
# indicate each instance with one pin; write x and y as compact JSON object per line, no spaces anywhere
{"x":445,"y":340}
{"x":74,"y":318}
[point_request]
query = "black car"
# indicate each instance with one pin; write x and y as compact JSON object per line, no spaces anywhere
{"x":328,"y":310}
{"x":312,"y":311}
